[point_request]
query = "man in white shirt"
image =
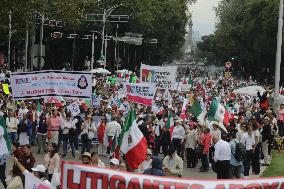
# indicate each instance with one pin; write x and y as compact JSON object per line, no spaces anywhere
{"x":178,"y":136}
{"x":12,"y":126}
{"x":23,"y":110}
{"x":113,"y":129}
{"x":222,"y":156}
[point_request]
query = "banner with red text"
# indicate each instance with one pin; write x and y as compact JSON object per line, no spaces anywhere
{"x":42,"y":84}
{"x":140,"y":93}
{"x":163,"y":77}
{"x":78,"y":176}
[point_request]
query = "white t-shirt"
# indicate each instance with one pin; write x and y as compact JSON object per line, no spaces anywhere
{"x":248,"y":141}
{"x":178,"y":132}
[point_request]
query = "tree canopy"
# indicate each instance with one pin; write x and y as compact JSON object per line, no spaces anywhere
{"x":246,"y":34}
{"x":164,"y":20}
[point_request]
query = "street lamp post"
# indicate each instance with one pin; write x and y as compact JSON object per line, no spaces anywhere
{"x":278,"y":56}
{"x":9,"y":40}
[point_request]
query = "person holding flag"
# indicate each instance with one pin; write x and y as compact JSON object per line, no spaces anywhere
{"x":5,"y":147}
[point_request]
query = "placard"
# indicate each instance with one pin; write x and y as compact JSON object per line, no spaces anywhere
{"x":141,"y":93}
{"x":40,"y":84}
{"x":163,"y":77}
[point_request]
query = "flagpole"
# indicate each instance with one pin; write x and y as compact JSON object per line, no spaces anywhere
{"x":278,"y":56}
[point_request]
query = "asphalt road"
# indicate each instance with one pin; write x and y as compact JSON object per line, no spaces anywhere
{"x":187,"y":172}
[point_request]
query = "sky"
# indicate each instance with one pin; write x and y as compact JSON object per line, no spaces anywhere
{"x":203,"y":16}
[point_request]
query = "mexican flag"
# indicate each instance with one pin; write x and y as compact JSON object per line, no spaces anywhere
{"x":170,"y":122}
{"x":217,"y":112}
{"x":133,"y":144}
{"x":5,"y":142}
{"x":197,"y":111}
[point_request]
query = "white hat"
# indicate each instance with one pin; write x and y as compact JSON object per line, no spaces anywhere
{"x":114,"y":161}
{"x":108,"y":107}
{"x":39,"y":168}
{"x":178,"y":121}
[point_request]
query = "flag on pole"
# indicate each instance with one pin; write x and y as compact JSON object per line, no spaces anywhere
{"x":170,"y":123}
{"x":184,"y":108}
{"x":38,"y":106}
{"x":197,"y":111}
{"x":217,"y":112}
{"x":5,"y":142}
{"x":133,"y":144}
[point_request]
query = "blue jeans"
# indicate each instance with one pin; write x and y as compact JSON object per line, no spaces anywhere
{"x":65,"y":140}
{"x":13,"y":137}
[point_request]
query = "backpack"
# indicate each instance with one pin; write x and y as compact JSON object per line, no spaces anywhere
{"x":240,"y":152}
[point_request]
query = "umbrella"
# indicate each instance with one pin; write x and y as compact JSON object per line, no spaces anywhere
{"x":100,"y":71}
{"x":124,"y":71}
{"x":250,"y":90}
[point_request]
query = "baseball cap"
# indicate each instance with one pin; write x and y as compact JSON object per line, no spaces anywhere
{"x":114,"y":161}
{"x":39,"y":168}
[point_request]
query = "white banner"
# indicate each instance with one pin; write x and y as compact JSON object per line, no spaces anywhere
{"x":141,"y":93}
{"x":78,"y":176}
{"x":34,"y":183}
{"x":162,"y":76}
{"x":41,"y":84}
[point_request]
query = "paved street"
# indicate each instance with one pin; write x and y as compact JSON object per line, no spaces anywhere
{"x":187,"y":173}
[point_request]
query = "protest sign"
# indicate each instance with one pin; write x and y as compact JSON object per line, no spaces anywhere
{"x":74,"y":108}
{"x":96,"y":101}
{"x":141,"y":93}
{"x":34,"y":183}
{"x":6,"y":88}
{"x":41,"y":84}
{"x":163,"y":77}
{"x":75,"y":176}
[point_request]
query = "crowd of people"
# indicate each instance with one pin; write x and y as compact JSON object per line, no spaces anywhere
{"x":235,"y":150}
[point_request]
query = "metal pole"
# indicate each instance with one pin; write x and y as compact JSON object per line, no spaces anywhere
{"x":9,"y":40}
{"x":73,"y":54}
{"x":93,"y":49}
{"x":105,"y":51}
{"x":115,"y":58}
{"x":33,"y":44}
{"x":278,"y":56}
{"x":40,"y":42}
{"x":103,"y":33}
{"x":26,"y":48}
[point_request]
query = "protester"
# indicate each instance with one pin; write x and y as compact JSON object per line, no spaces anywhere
{"x":12,"y":126}
{"x":177,"y":136}
{"x":97,"y":161}
{"x":52,"y":160}
{"x":205,"y":142}
{"x":222,"y":157}
{"x":54,"y":123}
{"x":173,"y":164}
{"x":114,"y":164}
{"x":248,"y":140}
{"x":113,"y":129}
{"x":266,"y":139}
{"x":87,"y":134}
{"x":67,"y":126}
{"x":101,"y":134}
{"x":146,"y":164}
{"x":86,"y":158}
{"x":156,"y":167}
{"x":24,"y":128}
{"x":235,"y":165}
{"x":42,"y":133}
{"x":14,"y":181}
{"x":191,"y":139}
{"x":27,"y":159}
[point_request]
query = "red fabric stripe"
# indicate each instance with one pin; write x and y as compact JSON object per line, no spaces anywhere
{"x":137,"y":155}
{"x":226,"y":118}
{"x":140,"y":100}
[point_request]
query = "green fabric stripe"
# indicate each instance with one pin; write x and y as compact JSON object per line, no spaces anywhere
{"x":6,"y":136}
{"x":168,"y":124}
{"x":212,"y":110}
{"x":195,"y":109}
{"x":127,"y":124}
